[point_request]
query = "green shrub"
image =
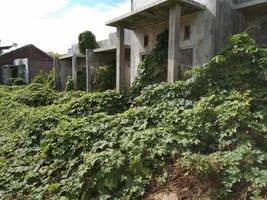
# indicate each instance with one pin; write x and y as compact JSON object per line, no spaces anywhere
{"x":109,"y":102}
{"x":81,"y":81}
{"x":35,"y":95}
{"x":17,"y":81}
{"x":45,"y":78}
{"x":105,"y":78}
{"x":69,"y":84}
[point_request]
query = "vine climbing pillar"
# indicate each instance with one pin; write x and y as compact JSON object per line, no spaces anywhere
{"x":174,"y":54}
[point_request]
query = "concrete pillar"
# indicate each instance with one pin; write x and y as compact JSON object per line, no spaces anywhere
{"x":74,"y":72}
{"x":58,"y":75}
{"x":174,"y":53}
{"x":120,"y":62}
{"x":89,"y":69}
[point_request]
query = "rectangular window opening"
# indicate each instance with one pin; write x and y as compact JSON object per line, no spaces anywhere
{"x":187,"y":32}
{"x":146,"y":40}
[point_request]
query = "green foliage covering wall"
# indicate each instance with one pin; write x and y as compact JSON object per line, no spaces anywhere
{"x":76,"y":145}
{"x":153,"y":69}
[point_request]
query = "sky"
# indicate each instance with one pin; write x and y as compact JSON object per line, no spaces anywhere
{"x":54,"y":25}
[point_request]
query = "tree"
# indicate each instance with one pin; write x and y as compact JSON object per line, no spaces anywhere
{"x":54,"y":54}
{"x":87,"y":40}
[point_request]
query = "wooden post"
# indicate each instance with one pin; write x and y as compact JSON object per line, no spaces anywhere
{"x":120,"y":61}
{"x":74,"y":72}
{"x":174,"y":43}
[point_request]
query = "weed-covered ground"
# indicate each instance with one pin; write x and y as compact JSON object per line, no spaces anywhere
{"x":202,"y":138}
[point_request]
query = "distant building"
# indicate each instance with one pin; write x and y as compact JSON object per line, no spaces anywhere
{"x":25,"y":63}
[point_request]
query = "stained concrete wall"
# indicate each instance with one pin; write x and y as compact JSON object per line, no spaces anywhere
{"x":256,"y":26}
{"x":66,"y":70}
{"x":202,"y":38}
{"x":228,"y":22}
{"x":210,"y":30}
{"x":111,"y":41}
{"x":109,"y":58}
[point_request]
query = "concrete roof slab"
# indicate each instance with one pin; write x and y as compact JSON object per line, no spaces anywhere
{"x":153,"y":13}
{"x":109,"y":49}
{"x":255,"y":7}
{"x":69,"y":56}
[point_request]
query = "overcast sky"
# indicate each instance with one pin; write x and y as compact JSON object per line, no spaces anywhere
{"x":54,"y":25}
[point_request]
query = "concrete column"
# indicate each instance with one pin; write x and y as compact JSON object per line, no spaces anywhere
{"x":89,"y":69}
{"x":120,"y":62}
{"x":74,"y":72}
{"x":58,"y":75}
{"x":174,"y":54}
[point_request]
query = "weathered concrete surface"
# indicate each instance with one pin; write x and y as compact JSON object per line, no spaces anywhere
{"x":89,"y":69}
{"x":201,"y":41}
{"x":57,"y":70}
{"x":210,"y":28}
{"x":74,"y":72}
{"x":120,"y":65}
{"x":174,"y":54}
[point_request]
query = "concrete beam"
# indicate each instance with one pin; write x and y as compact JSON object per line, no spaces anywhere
{"x":74,"y":72}
{"x":58,"y":75}
{"x":89,"y":69}
{"x":120,"y":61}
{"x":174,"y":53}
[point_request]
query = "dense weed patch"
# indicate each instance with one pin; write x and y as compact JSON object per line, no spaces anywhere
{"x":76,"y":145}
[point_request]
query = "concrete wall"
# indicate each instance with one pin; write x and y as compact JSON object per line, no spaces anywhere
{"x":202,"y":39}
{"x":109,"y":58}
{"x":256,"y":26}
{"x":228,"y":22}
{"x":111,"y":41}
{"x":9,"y":72}
{"x":25,"y":63}
{"x":66,"y":70}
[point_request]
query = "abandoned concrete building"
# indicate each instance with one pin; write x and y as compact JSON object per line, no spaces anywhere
{"x":197,"y":30}
{"x":24,"y":63}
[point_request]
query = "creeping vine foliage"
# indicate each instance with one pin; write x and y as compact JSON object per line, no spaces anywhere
{"x":153,"y":69}
{"x":111,"y":146}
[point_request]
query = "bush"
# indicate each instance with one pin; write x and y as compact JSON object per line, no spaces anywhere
{"x":69,"y":84}
{"x":105,"y":78}
{"x":35,"y":95}
{"x":44,"y":78}
{"x":81,"y":82}
{"x":16,"y":81}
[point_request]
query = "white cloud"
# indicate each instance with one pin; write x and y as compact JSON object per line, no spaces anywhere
{"x":54,"y":25}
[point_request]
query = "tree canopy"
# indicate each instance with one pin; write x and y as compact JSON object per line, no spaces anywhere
{"x":87,"y":40}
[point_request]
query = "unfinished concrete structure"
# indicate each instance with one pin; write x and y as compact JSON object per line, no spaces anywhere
{"x":69,"y":65}
{"x":73,"y":63}
{"x":24,"y":63}
{"x":197,"y":30}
